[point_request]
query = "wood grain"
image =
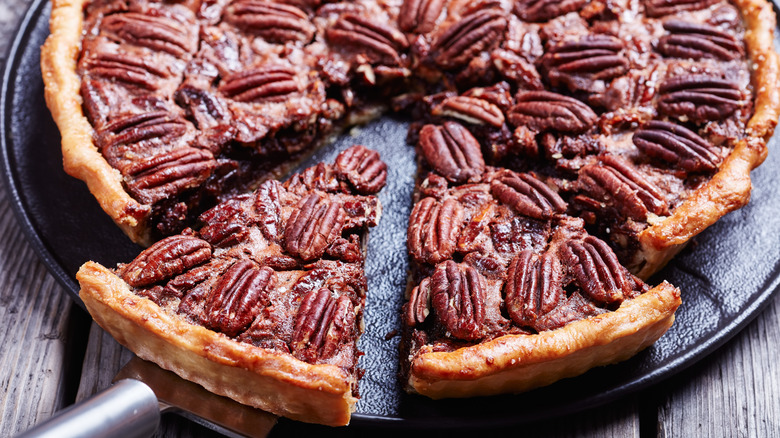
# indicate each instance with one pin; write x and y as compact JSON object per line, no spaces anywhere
{"x":35,"y":313}
{"x":733,"y":393}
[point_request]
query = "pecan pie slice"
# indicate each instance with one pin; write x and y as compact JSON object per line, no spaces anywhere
{"x":510,"y":293}
{"x":263,"y":302}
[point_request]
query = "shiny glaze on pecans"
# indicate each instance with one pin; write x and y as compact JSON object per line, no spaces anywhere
{"x":434,"y":228}
{"x":312,"y":226}
{"x":458,"y":300}
{"x":322,"y":325}
{"x":238,"y":297}
{"x":527,"y":195}
{"x":677,"y":145}
{"x":544,"y":110}
{"x":452,"y":151}
{"x":363,"y":168}
{"x":165,"y":259}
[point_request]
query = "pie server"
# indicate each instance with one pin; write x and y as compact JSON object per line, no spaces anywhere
{"x":142,"y":391}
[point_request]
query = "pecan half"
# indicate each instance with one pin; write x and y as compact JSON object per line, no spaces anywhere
{"x":323,"y":324}
{"x":380,"y":43}
{"x":659,"y":8}
{"x":465,"y":39}
{"x":452,"y":151}
{"x":527,"y":195}
{"x":274,"y":22}
{"x":543,"y":10}
{"x":434,"y":228}
{"x":238,"y":297}
{"x":597,"y":270}
{"x":419,"y":15}
{"x":135,"y":128}
{"x":168,"y":173}
{"x":126,"y":68}
{"x":227,"y":223}
{"x":269,"y":209}
{"x":543,"y":110}
{"x":534,"y":286}
{"x":363,"y":168}
{"x":678,"y":145}
{"x":458,"y":299}
{"x":696,"y":41}
{"x":699,"y":98}
{"x":419,"y":306}
{"x":470,"y":110}
{"x":312,"y":226}
{"x":267,"y":83}
{"x":516,"y":69}
{"x":593,"y":56}
{"x":154,"y":32}
{"x":166,"y":258}
{"x":620,"y":185}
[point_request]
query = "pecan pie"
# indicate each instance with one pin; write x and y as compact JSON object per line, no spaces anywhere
{"x":567,"y":151}
{"x":264,"y":301}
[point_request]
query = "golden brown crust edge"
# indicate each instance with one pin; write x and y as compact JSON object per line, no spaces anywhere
{"x":729,"y":189}
{"x":517,"y":363}
{"x":274,"y":382}
{"x":81,"y":158}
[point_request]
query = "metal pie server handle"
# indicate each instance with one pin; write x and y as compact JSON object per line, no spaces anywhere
{"x":128,"y":408}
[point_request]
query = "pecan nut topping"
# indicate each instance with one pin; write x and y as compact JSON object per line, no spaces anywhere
{"x":153,"y":32}
{"x":434,"y":228}
{"x":363,"y":168}
{"x":660,"y":8}
{"x":470,"y":110}
{"x":134,"y":128}
{"x":126,"y":68}
{"x":419,"y":306}
{"x":618,"y":184}
{"x":677,"y":145}
{"x":452,"y":151}
{"x":543,"y":111}
{"x":269,"y":209}
{"x":543,"y":10}
{"x":597,"y":270}
{"x":165,"y":259}
{"x":699,"y":98}
{"x":315,"y":224}
{"x":527,"y":195}
{"x":323,"y":324}
{"x":274,"y":22}
{"x":238,"y":297}
{"x":464,"y":40}
{"x":226,"y":224}
{"x":534,"y":286}
{"x":419,"y":15}
{"x":380,"y":43}
{"x":594,"y":56}
{"x":168,"y":173}
{"x":267,"y":83}
{"x":458,"y":299}
{"x":696,"y":41}
{"x":516,"y":69}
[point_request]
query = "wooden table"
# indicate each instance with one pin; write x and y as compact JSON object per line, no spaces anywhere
{"x":51,"y":355}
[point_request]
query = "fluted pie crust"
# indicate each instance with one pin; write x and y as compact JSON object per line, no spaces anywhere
{"x":517,"y":363}
{"x":272,"y":381}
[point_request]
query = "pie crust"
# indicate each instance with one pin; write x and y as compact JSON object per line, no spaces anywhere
{"x":274,"y":382}
{"x":517,"y":363}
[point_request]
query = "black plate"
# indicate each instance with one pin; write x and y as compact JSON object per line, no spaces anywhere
{"x":728,"y":274}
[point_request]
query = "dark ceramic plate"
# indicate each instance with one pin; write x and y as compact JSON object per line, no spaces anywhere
{"x":728,"y":274}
